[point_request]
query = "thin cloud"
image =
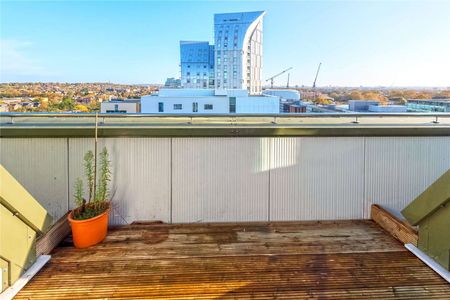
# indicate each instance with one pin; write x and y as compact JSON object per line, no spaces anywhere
{"x":15,"y":62}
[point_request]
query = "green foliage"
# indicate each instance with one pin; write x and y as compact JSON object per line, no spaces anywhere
{"x":89,"y":172}
{"x":79,"y":192}
{"x":104,"y":177}
{"x":66,"y":104}
{"x":91,"y":210}
{"x":94,"y":106}
{"x":99,"y":202}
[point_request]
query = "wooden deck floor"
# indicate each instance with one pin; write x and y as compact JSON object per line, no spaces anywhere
{"x":294,"y":260}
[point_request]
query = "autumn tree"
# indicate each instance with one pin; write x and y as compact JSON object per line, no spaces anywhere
{"x":67,"y":104}
{"x":81,"y":108}
{"x":94,"y":106}
{"x":323,"y":100}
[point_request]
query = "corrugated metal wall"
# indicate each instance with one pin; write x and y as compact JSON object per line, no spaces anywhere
{"x":140,"y":185}
{"x":317,"y":178}
{"x":398,"y":169}
{"x":235,"y":179}
{"x":220,"y":179}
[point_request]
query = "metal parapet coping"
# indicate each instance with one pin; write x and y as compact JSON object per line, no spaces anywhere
{"x":229,"y":125}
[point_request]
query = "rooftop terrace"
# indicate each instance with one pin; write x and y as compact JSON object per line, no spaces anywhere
{"x":296,"y":191}
{"x":288,"y":260}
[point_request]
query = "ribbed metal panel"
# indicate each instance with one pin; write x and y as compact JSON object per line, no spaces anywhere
{"x":40,"y":165}
{"x":398,"y":169}
{"x":316,"y":178}
{"x":220,"y":179}
{"x":227,"y":179}
{"x":140,"y":186}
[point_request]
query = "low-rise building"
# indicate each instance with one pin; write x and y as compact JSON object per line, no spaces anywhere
{"x":439,"y":105}
{"x":284,"y":94}
{"x":297,"y":108}
{"x":361,"y":105}
{"x":208,"y":101}
{"x":121,"y":106}
{"x":388,"y":108}
{"x":172,"y":83}
{"x":288,"y":98}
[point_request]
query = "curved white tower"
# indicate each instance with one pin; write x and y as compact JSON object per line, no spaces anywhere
{"x":238,"y":51}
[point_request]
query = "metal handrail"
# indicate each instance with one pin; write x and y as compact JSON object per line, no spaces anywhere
{"x":298,"y":124}
{"x":279,"y":115}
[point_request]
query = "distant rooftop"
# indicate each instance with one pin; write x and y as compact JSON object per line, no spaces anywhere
{"x":201,"y":92}
{"x":431,"y":100}
{"x":124,"y":100}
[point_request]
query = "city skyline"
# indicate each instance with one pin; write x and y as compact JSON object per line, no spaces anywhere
{"x":359,"y":43}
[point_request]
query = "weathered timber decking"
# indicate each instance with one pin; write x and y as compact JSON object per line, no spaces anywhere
{"x":292,"y":260}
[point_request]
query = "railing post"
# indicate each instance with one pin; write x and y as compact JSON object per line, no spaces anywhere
{"x":436,"y":120}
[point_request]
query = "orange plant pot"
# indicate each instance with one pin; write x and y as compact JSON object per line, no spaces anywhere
{"x":86,"y":233}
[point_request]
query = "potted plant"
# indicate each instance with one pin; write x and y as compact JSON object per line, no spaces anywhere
{"x":89,"y":220}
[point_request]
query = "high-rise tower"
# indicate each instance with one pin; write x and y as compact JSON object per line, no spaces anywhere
{"x":238,"y":51}
{"x":197,"y":64}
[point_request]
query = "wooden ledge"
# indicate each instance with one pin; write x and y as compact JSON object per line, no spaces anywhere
{"x":399,"y":229}
{"x":58,"y":232}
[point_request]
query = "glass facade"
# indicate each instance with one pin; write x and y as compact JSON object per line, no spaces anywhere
{"x":197,"y":64}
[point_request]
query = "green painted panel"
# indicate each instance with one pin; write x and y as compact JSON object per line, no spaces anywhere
{"x":18,"y":201}
{"x":185,"y":130}
{"x":17,"y":243}
{"x":434,"y":197}
{"x":434,"y":236}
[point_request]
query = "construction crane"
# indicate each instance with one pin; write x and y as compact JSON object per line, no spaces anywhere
{"x":314,"y":83}
{"x":317,"y":74}
{"x":273,"y":77}
{"x":287,"y":85}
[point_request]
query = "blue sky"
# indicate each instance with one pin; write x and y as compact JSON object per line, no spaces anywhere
{"x":370,"y":43}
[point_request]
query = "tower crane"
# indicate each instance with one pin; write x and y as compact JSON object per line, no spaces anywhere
{"x":317,"y":74}
{"x":273,"y":77}
{"x":315,"y":80}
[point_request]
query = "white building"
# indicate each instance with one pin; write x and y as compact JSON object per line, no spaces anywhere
{"x":121,"y":106}
{"x":388,"y":108}
{"x":208,"y":101}
{"x":284,"y":94}
{"x":238,"y":51}
{"x":361,"y":105}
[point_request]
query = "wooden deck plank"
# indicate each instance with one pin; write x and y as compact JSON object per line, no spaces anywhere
{"x":293,"y":260}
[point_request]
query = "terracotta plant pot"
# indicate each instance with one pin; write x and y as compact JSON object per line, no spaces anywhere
{"x":89,"y":232}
